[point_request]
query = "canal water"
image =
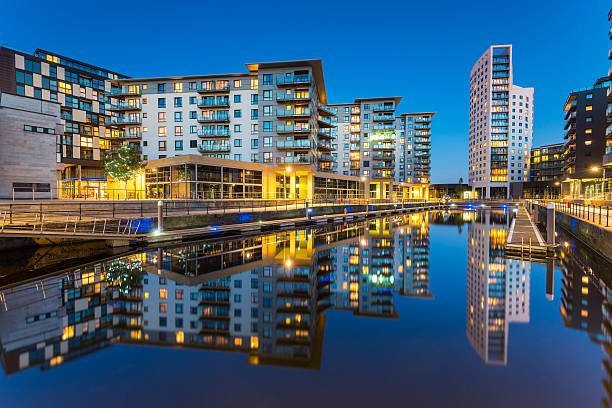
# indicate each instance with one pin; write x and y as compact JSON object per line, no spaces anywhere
{"x":419,"y":310}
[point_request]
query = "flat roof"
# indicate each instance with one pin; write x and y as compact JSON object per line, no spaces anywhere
{"x":75,"y":60}
{"x":315,"y":64}
{"x":184,"y":77}
{"x":416,"y":113}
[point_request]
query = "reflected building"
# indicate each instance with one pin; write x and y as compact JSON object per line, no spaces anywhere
{"x":498,"y":288}
{"x":262,"y":296}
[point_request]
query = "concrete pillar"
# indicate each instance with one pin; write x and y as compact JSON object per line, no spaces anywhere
{"x":550,"y":223}
{"x":535,"y":212}
{"x":160,"y":218}
{"x":550,"y":279}
{"x":292,"y":185}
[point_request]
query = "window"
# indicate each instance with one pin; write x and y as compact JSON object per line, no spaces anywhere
{"x":267,"y":110}
{"x":254,"y":99}
{"x":254,"y":113}
{"x":237,"y":128}
{"x":254,"y":128}
{"x":161,"y":116}
{"x":193,"y":129}
{"x":237,"y":142}
{"x":163,"y":307}
{"x":193,"y":144}
{"x":178,"y":102}
{"x":193,"y":100}
{"x":163,"y":322}
{"x":193,"y":115}
{"x":86,"y":141}
{"x":254,"y":83}
{"x":162,"y":145}
{"x":267,"y":95}
{"x":163,"y":293}
{"x":178,"y":145}
{"x":237,"y":113}
{"x":178,"y":308}
{"x":178,"y":131}
{"x":237,"y":83}
{"x":267,"y":79}
{"x":254,"y":143}
{"x":161,"y":88}
{"x":161,"y":102}
{"x":178,"y":116}
{"x":237,"y":98}
{"x":267,"y":126}
{"x":161,"y":131}
{"x":589,"y":107}
{"x":178,"y":87}
{"x":589,"y":96}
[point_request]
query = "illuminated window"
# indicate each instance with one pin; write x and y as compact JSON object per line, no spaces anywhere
{"x":179,"y":294}
{"x":254,"y":83}
{"x":238,"y":341}
{"x":237,"y":83}
{"x":178,"y":87}
{"x":588,"y":131}
{"x":180,"y":337}
{"x":588,"y":142}
{"x":163,"y":307}
{"x":87,"y":278}
{"x":254,"y":342}
{"x":161,"y":131}
{"x":589,"y":107}
{"x":163,"y":293}
{"x":146,"y":295}
{"x":161,"y":116}
{"x":585,"y":290}
{"x":86,"y":141}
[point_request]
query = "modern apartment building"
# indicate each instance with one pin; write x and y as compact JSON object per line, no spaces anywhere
{"x":501,"y":126}
{"x":585,"y":126}
{"x":546,"y":171}
{"x":82,"y":91}
{"x":273,"y":113}
{"x":607,"y":159}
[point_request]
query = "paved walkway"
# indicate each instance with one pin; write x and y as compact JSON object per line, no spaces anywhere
{"x":524,"y":239}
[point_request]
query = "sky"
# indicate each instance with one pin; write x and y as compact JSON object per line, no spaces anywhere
{"x":422,"y":51}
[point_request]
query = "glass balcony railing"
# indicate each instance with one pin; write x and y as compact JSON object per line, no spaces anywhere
{"x":292,"y":97}
{"x":130,"y":120}
{"x":283,"y":113}
{"x":326,"y":120}
{"x":210,"y":103}
{"x":383,"y":127}
{"x":383,"y":174}
{"x":384,"y":108}
{"x":325,"y":157}
{"x":293,"y":79}
{"x":224,"y":132}
{"x":294,"y":159}
{"x":383,"y":146}
{"x":383,"y":156}
{"x":383,"y":117}
{"x":135,"y":105}
{"x":324,"y":145}
{"x":293,"y":128}
{"x":208,"y":148}
{"x":293,"y":144}
{"x":328,"y":110}
{"x":218,"y":117}
{"x":208,"y":87}
{"x":125,"y":91}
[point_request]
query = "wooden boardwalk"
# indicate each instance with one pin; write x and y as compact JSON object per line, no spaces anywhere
{"x":524,"y":240}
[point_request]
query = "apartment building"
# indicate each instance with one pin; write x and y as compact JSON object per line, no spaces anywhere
{"x":545,"y":172}
{"x":585,"y":139}
{"x":81,"y":90}
{"x":607,"y":159}
{"x":501,"y":126}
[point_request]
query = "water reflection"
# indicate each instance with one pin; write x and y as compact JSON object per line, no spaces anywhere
{"x":497,"y":287}
{"x":263,"y":296}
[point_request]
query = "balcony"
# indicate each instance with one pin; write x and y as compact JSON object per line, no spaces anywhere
{"x":131,"y":133}
{"x":223,"y":132}
{"x":499,"y":66}
{"x":121,"y":121}
{"x":218,"y":103}
{"x":125,"y":106}
{"x":379,"y":126}
{"x":427,"y":126}
{"x":286,"y":97}
{"x":293,"y":113}
{"x":609,"y":111}
{"x":383,"y":146}
{"x":324,"y":145}
{"x":214,"y":148}
{"x":423,"y":119}
{"x":381,"y":118}
{"x":293,"y":80}
{"x":325,"y":133}
{"x":212,"y":88}
{"x":325,"y":121}
{"x":383,"y":156}
{"x":325,"y":157}
{"x":294,"y":160}
{"x":384,"y":108}
{"x":217,"y":117}
{"x":383,"y":165}
{"x":383,"y":174}
{"x":292,"y":128}
{"x":326,"y":110}
{"x":126,"y":91}
{"x":293,"y":144}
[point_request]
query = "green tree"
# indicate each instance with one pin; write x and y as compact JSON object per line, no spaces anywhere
{"x":124,"y":274}
{"x":122,"y":164}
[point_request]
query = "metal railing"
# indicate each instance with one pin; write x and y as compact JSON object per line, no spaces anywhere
{"x":14,"y":220}
{"x":596,"y":214}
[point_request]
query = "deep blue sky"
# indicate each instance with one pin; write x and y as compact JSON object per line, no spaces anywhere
{"x":421,"y":50}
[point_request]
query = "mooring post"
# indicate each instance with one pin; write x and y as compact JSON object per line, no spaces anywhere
{"x":160,"y":218}
{"x":550,"y":223}
{"x":535,"y":212}
{"x":550,"y":279}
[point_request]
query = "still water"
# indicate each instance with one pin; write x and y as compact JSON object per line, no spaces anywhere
{"x":421,"y":310}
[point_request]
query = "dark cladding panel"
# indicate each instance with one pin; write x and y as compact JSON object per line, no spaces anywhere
{"x":7,"y":70}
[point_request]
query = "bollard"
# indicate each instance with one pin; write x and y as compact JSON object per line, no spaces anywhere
{"x":550,"y":279}
{"x":536,"y":213}
{"x":160,"y":225}
{"x":550,"y":223}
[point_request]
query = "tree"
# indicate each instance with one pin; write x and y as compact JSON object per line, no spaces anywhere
{"x":460,"y":188}
{"x":124,"y":274}
{"x":122,"y":164}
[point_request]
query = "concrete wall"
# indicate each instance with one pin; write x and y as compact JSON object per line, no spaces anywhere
{"x":27,"y":156}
